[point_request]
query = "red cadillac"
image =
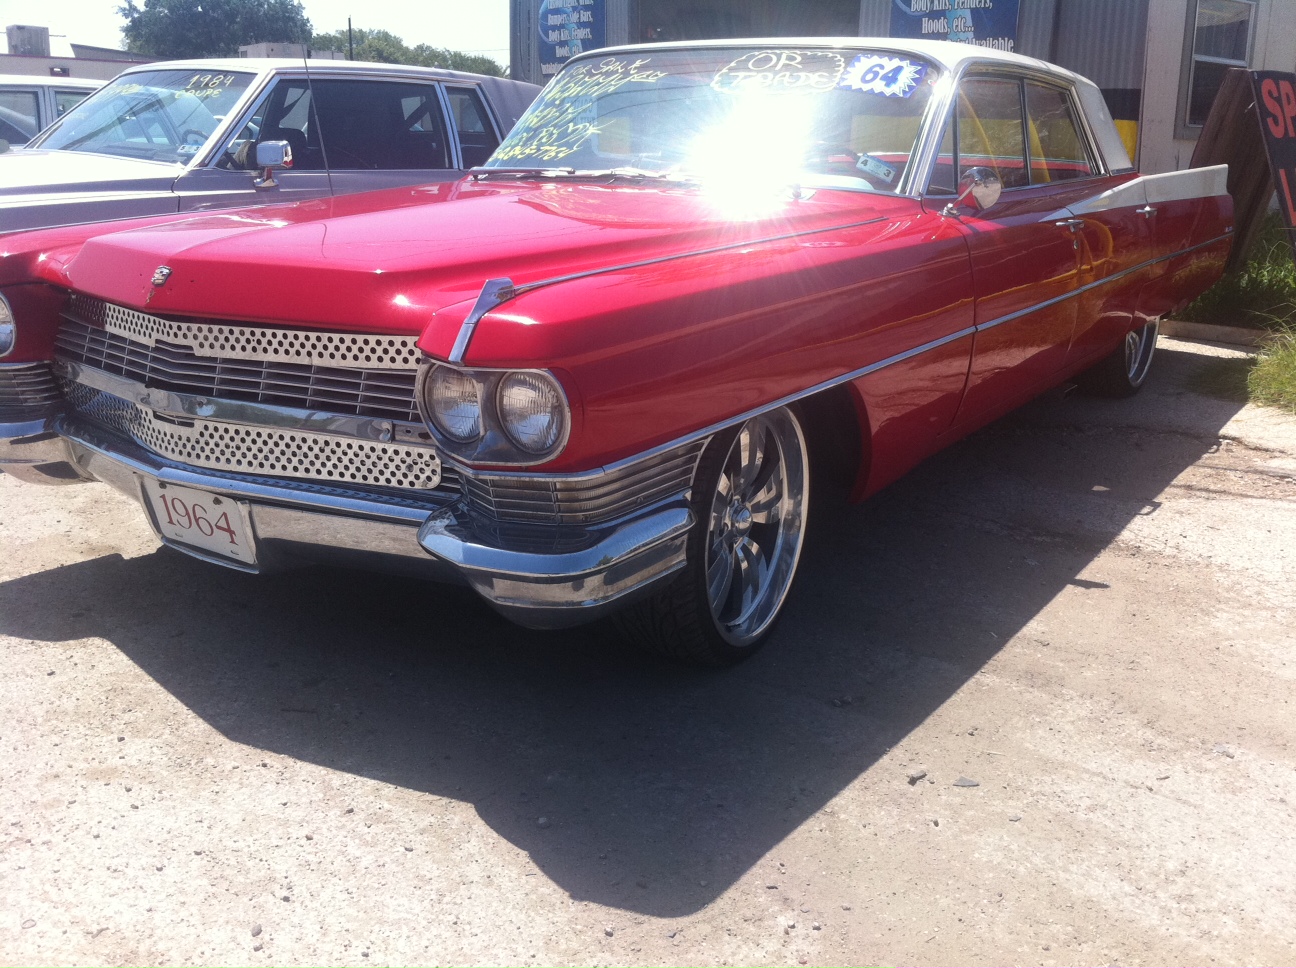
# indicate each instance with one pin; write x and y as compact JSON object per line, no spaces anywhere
{"x":595,"y":374}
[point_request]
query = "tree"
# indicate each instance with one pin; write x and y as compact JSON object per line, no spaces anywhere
{"x":386,"y":48}
{"x":211,"y":28}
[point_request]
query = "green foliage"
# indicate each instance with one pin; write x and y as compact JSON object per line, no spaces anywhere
{"x":386,"y":48}
{"x":1262,"y":294}
{"x":173,"y":29}
{"x":1273,"y":379}
{"x":1224,"y":378}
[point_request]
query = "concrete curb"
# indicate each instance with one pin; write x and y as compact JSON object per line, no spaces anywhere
{"x":1236,"y":335}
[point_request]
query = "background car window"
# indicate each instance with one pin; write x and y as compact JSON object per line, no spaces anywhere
{"x":990,"y":132}
{"x":18,"y":116}
{"x":1056,"y":151}
{"x":476,"y":133}
{"x":366,"y":125}
{"x":64,"y":101}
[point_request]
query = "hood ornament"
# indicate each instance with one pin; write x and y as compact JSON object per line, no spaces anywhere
{"x":161,"y":274}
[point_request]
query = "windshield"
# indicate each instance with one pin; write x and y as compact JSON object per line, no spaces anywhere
{"x":837,"y":118}
{"x":157,"y":115}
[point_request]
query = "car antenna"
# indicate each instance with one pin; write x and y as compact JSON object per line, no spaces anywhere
{"x":310,"y":88}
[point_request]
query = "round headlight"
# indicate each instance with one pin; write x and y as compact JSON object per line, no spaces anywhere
{"x":533,"y":411}
{"x":8,"y":331}
{"x":454,"y":404}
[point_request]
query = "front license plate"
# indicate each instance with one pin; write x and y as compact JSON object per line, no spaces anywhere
{"x":202,"y":520}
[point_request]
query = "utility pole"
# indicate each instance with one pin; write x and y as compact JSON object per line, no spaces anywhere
{"x":350,"y":42}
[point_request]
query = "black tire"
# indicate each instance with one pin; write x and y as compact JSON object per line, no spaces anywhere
{"x":700,"y":617}
{"x":1123,"y":371}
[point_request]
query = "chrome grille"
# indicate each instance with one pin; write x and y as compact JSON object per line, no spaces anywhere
{"x":268,"y":451}
{"x":26,"y":388}
{"x":227,"y":341}
{"x":334,"y":389}
{"x":585,"y":500}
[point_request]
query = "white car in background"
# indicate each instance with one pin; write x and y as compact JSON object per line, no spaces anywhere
{"x":184,"y":136}
{"x":29,"y":104}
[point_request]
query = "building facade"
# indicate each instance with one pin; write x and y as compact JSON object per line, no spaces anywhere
{"x":1158,"y":62}
{"x":29,"y":54}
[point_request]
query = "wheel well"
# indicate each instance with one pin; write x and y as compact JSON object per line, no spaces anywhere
{"x":838,"y":447}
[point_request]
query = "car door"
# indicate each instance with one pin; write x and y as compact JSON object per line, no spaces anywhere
{"x":1107,"y":212}
{"x":346,"y":135}
{"x":1024,"y":253}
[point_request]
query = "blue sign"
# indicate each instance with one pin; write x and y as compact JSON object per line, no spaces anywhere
{"x":986,"y":23}
{"x":568,"y":28}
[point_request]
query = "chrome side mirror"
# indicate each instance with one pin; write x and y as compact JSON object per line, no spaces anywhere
{"x":982,"y":184}
{"x":270,"y":157}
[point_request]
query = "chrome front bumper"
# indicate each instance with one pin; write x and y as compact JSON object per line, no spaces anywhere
{"x":294,"y":523}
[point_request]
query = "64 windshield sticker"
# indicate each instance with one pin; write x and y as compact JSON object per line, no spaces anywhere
{"x":888,"y":76}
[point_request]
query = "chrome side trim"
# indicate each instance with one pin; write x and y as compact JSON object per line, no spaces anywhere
{"x":493,"y":293}
{"x":606,"y":270}
{"x":1099,"y":282}
{"x":498,"y":291}
{"x":855,"y":374}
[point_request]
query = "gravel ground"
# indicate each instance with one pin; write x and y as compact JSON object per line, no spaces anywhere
{"x":1031,"y":705}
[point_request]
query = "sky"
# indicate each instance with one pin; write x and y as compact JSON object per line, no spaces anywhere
{"x":472,"y":26}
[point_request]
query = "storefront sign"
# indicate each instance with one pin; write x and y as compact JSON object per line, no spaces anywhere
{"x":1275,"y":94}
{"x":568,"y":28}
{"x":986,"y":23}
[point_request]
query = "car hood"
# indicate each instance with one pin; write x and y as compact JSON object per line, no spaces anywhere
{"x":30,"y":174}
{"x":388,"y":261}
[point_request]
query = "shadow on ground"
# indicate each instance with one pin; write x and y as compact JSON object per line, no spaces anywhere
{"x":646,"y":772}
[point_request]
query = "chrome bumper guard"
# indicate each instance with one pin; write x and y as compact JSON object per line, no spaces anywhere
{"x":294,"y":523}
{"x":620,"y":562}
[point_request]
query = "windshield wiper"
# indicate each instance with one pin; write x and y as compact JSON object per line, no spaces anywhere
{"x":480,"y":172}
{"x":579,"y":174}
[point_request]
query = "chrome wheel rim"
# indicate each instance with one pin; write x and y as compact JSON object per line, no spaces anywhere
{"x":1140,"y":344}
{"x":756,"y":526}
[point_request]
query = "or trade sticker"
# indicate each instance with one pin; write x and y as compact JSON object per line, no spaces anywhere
{"x":800,"y":71}
{"x":879,"y":74}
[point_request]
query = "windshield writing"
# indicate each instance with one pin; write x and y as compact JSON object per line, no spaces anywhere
{"x":157,"y":115}
{"x":838,"y":118}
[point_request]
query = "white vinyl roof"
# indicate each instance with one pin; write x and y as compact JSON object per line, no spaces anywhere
{"x":947,"y":54}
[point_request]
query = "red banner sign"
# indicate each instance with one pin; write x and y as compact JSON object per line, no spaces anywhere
{"x":1275,"y":94}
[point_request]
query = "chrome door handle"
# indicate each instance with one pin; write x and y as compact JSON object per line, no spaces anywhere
{"x":1074,"y":224}
{"x":1147,"y":211}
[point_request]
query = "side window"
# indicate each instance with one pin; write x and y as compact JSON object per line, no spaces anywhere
{"x":65,"y":101}
{"x":1056,"y":151}
{"x":990,"y":132}
{"x":476,"y":133}
{"x":18,"y":116}
{"x":365,"y":125}
{"x":943,"y":181}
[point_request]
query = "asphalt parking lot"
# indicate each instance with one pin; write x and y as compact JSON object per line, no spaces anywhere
{"x":1031,"y":705}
